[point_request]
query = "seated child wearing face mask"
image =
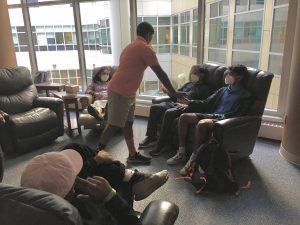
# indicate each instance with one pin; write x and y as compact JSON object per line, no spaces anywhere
{"x":98,"y":89}
{"x":195,"y":89}
{"x":232,"y":100}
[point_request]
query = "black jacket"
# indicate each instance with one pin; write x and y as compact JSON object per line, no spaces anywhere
{"x":115,"y":212}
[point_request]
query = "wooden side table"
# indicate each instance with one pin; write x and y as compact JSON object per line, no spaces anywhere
{"x":70,"y":99}
{"x":49,"y":86}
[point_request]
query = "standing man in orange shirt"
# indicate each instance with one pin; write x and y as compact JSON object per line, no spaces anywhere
{"x":122,"y":88}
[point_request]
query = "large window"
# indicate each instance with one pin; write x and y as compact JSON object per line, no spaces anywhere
{"x":174,"y":34}
{"x":175,"y":40}
{"x":95,"y":20}
{"x":54,"y":40}
{"x":185,"y":33}
{"x":278,"y":34}
{"x":20,"y":37}
{"x":218,"y":26}
{"x":247,"y":36}
{"x":257,"y":38}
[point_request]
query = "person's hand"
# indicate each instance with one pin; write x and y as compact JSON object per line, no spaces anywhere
{"x":103,"y":157}
{"x":99,"y":96}
{"x":2,"y":115}
{"x":180,"y":95}
{"x":208,"y":116}
{"x":184,"y":101}
{"x":164,"y":90}
{"x":97,"y":188}
{"x":181,"y":107}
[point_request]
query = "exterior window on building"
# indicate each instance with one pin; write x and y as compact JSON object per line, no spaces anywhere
{"x":218,"y":27}
{"x":247,"y":37}
{"x":175,"y":40}
{"x":280,"y":13}
{"x":184,"y":33}
{"x":195,"y":33}
{"x":51,"y":52}
{"x":163,"y":34}
{"x":19,"y":36}
{"x":174,"y":34}
{"x":95,"y":26}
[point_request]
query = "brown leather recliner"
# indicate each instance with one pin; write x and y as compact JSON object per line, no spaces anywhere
{"x":33,"y":121}
{"x":238,"y":134}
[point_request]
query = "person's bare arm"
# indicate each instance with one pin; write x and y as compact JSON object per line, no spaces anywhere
{"x":163,"y":77}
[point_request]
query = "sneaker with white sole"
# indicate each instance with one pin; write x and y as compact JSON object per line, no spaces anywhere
{"x":148,"y":142}
{"x":146,"y":187}
{"x":139,"y":158}
{"x":95,"y":113}
{"x":176,"y":159}
{"x":185,"y":170}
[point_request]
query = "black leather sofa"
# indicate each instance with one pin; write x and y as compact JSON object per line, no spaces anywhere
{"x":33,"y":121}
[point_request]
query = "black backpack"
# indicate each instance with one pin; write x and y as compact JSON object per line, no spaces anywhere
{"x":212,"y":170}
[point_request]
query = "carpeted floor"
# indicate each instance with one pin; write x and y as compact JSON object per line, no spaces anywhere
{"x":273,"y":199}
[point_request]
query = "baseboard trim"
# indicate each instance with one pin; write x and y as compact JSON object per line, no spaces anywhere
{"x":271,"y":130}
{"x":292,"y":158}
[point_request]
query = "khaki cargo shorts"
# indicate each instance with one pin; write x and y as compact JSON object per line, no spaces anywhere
{"x":120,"y":109}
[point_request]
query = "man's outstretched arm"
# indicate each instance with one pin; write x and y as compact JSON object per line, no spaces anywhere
{"x":163,"y":77}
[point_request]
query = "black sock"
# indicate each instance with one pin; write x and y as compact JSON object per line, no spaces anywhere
{"x":101,"y":147}
{"x":138,"y":176}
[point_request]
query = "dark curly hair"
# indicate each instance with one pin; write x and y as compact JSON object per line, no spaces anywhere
{"x":239,"y":70}
{"x":144,"y":28}
{"x":199,"y":69}
{"x":97,"y":71}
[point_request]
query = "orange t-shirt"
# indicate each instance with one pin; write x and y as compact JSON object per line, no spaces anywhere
{"x":134,"y":59}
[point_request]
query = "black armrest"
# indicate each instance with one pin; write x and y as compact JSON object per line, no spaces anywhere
{"x":160,"y":213}
{"x":48,"y":102}
{"x":238,"y":135}
{"x":161,"y":99}
{"x":35,"y":207}
{"x":55,"y":104}
{"x":236,"y":121}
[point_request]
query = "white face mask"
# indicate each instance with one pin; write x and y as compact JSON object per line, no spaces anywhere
{"x":104,"y":77}
{"x":194,"y":78}
{"x":229,"y":80}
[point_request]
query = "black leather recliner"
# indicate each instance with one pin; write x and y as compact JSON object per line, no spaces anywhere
{"x":33,"y":121}
{"x":238,"y":134}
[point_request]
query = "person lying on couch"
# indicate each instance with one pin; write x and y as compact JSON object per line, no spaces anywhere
{"x":230,"y":101}
{"x":95,"y":199}
{"x":124,"y":180}
{"x":195,"y":89}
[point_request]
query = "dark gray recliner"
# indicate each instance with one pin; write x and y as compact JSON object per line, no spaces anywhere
{"x":33,"y":121}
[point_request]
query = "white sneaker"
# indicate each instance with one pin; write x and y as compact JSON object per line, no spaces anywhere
{"x":184,"y":170}
{"x":146,"y":187}
{"x":176,"y":159}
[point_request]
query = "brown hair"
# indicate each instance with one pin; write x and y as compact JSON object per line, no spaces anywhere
{"x":199,"y":69}
{"x":97,"y":71}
